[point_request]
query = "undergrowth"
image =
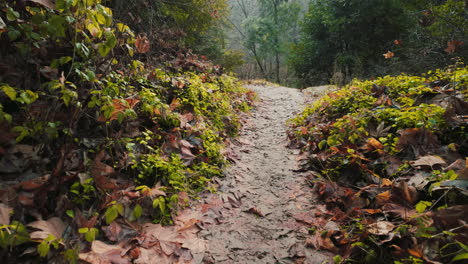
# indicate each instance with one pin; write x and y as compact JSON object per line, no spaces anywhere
{"x":91,"y":134}
{"x":390,"y":162}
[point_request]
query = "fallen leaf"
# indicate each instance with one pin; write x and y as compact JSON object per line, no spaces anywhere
{"x":142,"y":44}
{"x":5,"y":213}
{"x":46,"y":3}
{"x":373,"y":211}
{"x":380,"y":228}
{"x":409,"y":193}
{"x":452,"y":46}
{"x":120,"y":106}
{"x":189,"y":224}
{"x":196,"y":245}
{"x":373,"y":144}
{"x":429,"y":161}
{"x":401,"y":211}
{"x":54,"y":226}
{"x":397,"y":42}
{"x":388,"y":55}
{"x":383,"y":197}
{"x":386,"y":183}
{"x":421,"y":141}
{"x":102,"y":253}
{"x":255,"y":211}
{"x":415,"y":252}
{"x":112,"y":231}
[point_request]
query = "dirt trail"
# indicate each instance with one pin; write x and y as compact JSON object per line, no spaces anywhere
{"x":265,"y":195}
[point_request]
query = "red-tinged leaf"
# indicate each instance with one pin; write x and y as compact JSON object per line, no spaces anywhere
{"x":386,"y":183}
{"x":26,"y":198}
{"x":34,"y":183}
{"x":373,"y":211}
{"x":397,"y":42}
{"x":54,"y":226}
{"x":415,"y":252}
{"x":142,"y":44}
{"x":113,"y":231}
{"x":453,"y":45}
{"x":120,"y":106}
{"x":5,"y":213}
{"x":383,"y":197}
{"x":174,"y":104}
{"x":389,"y":55}
{"x":373,"y":144}
{"x":134,"y":253}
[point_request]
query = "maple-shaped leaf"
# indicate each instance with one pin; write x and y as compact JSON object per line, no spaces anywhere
{"x":120,"y":106}
{"x":142,"y":44}
{"x":452,"y":46}
{"x":388,"y":55}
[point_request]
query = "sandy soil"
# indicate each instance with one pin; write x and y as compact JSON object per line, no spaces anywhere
{"x":264,"y":194}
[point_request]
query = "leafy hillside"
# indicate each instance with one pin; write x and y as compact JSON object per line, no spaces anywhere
{"x":91,"y":135}
{"x":388,"y":158}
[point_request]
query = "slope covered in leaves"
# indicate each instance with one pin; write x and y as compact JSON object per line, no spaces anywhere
{"x":97,"y":147}
{"x":389,"y":159}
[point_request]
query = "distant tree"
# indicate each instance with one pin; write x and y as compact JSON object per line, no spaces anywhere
{"x":345,"y":37}
{"x":268,"y":35}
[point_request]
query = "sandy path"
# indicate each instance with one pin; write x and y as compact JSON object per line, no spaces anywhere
{"x":265,"y":194}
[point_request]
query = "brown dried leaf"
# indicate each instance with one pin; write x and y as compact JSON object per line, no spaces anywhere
{"x":54,"y":226}
{"x":47,"y":3}
{"x":196,"y":245}
{"x":5,"y":213}
{"x":381,"y":228}
{"x":112,"y":231}
{"x":429,"y":161}
{"x":102,"y":253}
{"x":142,"y":44}
{"x":256,"y":211}
{"x":452,"y":46}
{"x":388,"y":55}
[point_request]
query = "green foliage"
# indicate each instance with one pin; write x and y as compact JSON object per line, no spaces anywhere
{"x":386,"y":131}
{"x":13,"y":235}
{"x":44,"y":247}
{"x":341,"y":40}
{"x":345,"y":37}
{"x":83,"y":95}
{"x":90,"y":234}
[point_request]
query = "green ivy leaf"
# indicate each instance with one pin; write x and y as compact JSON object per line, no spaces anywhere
{"x":43,"y":248}
{"x":91,"y":235}
{"x":461,"y":256}
{"x":111,"y":214}
{"x":137,"y":211}
{"x":9,"y":91}
{"x":422,"y":205}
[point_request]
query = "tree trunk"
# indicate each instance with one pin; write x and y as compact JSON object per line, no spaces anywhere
{"x":275,"y":6}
